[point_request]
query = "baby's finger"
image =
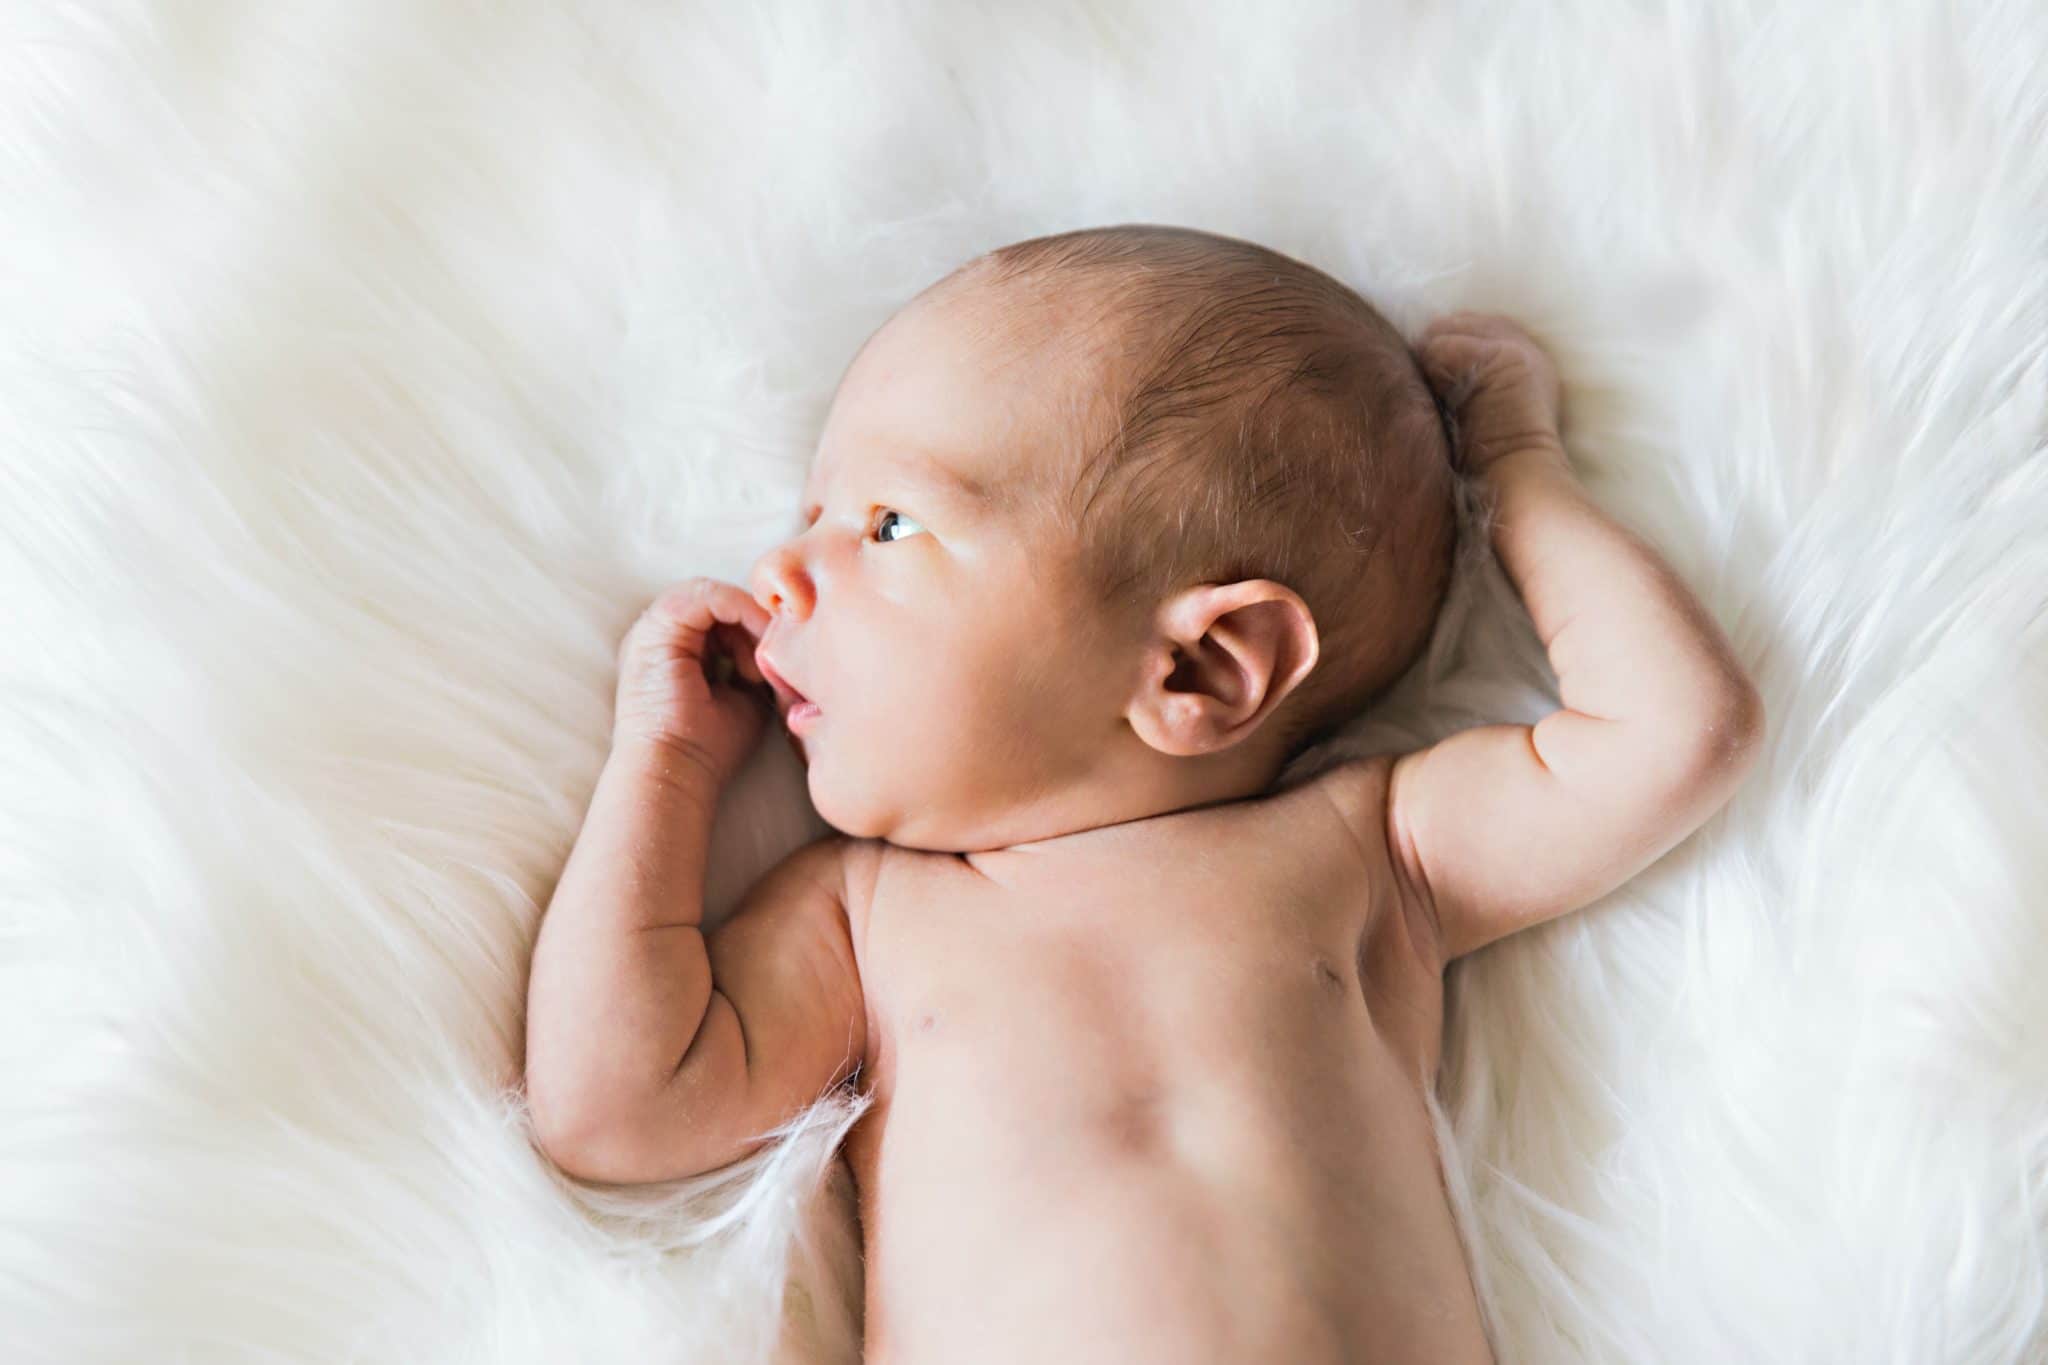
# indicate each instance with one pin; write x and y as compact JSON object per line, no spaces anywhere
{"x":754,"y":621}
{"x":739,"y":622}
{"x":691,"y":608}
{"x":686,"y":603}
{"x":1453,"y":324}
{"x":1448,"y":364}
{"x":732,"y":650}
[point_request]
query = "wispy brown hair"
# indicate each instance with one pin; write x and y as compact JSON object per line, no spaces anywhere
{"x":1267,"y":423}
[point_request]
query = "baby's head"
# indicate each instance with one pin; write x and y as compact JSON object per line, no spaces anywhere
{"x":1104,"y":525}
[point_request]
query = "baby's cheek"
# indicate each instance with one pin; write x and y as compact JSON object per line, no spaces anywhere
{"x":1031,"y":719}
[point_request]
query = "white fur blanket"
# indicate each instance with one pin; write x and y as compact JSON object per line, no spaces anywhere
{"x":365,"y":367}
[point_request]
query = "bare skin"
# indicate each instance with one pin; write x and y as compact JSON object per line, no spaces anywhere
{"x":1148,"y":1040}
{"x":1180,"y":1123}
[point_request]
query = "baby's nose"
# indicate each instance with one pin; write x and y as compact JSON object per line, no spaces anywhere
{"x":778,"y":583}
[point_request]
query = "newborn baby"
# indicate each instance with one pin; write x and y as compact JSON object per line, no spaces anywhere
{"x":1103,"y":530}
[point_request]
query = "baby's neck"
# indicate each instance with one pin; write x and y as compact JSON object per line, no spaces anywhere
{"x":1153,"y":786}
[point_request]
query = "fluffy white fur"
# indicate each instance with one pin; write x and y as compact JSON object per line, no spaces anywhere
{"x":364,"y":368}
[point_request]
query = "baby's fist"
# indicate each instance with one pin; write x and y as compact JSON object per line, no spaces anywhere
{"x":675,"y":669}
{"x":1499,"y":386}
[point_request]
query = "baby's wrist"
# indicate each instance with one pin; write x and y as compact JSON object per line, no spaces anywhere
{"x":1509,"y":460}
{"x":666,"y":764}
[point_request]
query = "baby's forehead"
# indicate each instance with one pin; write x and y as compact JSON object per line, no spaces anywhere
{"x":979,"y":388}
{"x":1054,"y":324}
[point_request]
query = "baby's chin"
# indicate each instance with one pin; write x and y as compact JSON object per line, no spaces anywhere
{"x":858,"y":803}
{"x":855,"y":819}
{"x":844,"y":801}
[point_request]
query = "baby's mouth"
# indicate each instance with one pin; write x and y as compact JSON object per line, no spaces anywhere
{"x":791,"y":701}
{"x":800,"y":717}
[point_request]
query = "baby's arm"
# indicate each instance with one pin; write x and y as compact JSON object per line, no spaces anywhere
{"x":1503,"y":826}
{"x":655,"y":1051}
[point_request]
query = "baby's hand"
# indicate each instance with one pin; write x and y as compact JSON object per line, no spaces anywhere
{"x":675,"y":669}
{"x":1497,"y":383}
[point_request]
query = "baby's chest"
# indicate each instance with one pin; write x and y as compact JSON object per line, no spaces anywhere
{"x":1214,"y":1009}
{"x":1203,"y":1045}
{"x":1121,"y":972}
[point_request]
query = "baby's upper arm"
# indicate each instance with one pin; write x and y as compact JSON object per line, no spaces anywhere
{"x":1504,"y":826}
{"x":786,"y":1022}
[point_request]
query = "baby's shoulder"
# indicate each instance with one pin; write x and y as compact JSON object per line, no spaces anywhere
{"x":1355,"y":788}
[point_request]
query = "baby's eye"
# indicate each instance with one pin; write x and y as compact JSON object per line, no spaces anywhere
{"x":883,"y":521}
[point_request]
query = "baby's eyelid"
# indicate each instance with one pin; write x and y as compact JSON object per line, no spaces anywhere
{"x":873,"y":522}
{"x":876,"y":515}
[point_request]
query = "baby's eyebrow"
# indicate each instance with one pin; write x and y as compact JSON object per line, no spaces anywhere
{"x":940,"y":478}
{"x":948,"y":479}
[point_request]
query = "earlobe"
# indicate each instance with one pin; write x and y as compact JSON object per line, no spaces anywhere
{"x":1173,"y":722}
{"x":1227,"y":654}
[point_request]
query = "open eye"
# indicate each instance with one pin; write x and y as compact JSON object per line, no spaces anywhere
{"x":884,"y":521}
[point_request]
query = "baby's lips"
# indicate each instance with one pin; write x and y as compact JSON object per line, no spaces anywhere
{"x":786,"y":696}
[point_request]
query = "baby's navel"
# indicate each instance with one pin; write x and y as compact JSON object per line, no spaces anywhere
{"x":1137,"y":1121}
{"x":926,"y":1020}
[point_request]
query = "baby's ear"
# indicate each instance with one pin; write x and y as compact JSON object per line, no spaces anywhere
{"x":1223,"y":658}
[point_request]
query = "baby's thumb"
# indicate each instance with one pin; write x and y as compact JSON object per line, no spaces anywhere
{"x":1452,"y":372}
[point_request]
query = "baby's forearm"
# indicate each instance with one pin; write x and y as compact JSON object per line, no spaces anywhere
{"x":1644,"y":672}
{"x":620,"y":977}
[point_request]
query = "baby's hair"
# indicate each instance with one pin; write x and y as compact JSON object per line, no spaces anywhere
{"x":1264,"y":422}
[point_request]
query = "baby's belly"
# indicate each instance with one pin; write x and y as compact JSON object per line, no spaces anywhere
{"x":1066,"y":1180}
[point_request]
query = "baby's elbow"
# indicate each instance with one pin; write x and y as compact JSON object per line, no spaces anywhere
{"x":604,"y":1154}
{"x":1738,"y":730}
{"x":639,"y":1144}
{"x":559,"y":1136}
{"x":1721,"y":742}
{"x":578,"y":1139}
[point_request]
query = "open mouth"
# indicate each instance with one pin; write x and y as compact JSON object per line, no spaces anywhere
{"x":797,"y":709}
